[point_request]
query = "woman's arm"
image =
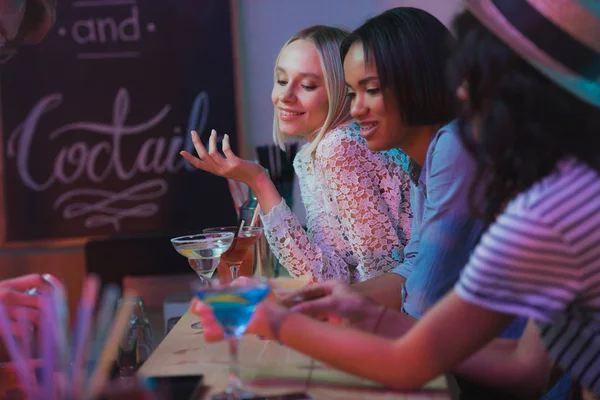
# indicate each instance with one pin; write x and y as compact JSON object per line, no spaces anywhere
{"x":312,"y":255}
{"x":452,"y":331}
{"x":265,"y":191}
{"x":519,"y":366}
{"x":365,"y":197}
{"x":368,"y":190}
{"x":293,"y":247}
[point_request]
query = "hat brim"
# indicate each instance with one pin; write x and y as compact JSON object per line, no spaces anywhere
{"x":494,"y":20}
{"x":47,"y":20}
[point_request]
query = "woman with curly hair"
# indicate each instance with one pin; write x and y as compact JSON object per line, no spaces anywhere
{"x":528,"y":74}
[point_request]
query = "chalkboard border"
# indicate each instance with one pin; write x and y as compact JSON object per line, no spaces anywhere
{"x":80,"y":241}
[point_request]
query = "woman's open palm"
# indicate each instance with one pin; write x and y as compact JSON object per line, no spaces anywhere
{"x":228,"y":166}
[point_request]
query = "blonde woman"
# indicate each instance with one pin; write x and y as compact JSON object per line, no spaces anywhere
{"x":357,"y":201}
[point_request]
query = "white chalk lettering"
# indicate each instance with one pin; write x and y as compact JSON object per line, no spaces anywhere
{"x":105,"y":30}
{"x":96,"y":161}
{"x":104,"y":212}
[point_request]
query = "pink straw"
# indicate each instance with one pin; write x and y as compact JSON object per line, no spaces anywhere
{"x":11,"y":345}
{"x":111,"y":347}
{"x":25,"y":331}
{"x":47,"y":337}
{"x":81,"y":336}
{"x":255,"y":216}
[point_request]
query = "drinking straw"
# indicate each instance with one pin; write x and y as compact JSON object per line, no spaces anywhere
{"x":255,"y":216}
{"x":235,"y":238}
{"x":48,"y":339}
{"x":61,"y":317}
{"x":53,"y":341}
{"x":11,"y":345}
{"x":110,"y":296}
{"x":25,"y":329}
{"x":25,"y":333}
{"x":239,"y":230}
{"x":111,"y":347}
{"x":81,"y":336}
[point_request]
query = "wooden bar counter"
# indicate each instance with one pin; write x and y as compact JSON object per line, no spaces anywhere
{"x":267,"y":368}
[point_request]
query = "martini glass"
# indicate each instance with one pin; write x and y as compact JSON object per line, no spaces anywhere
{"x":233,"y":307}
{"x":235,"y":255}
{"x":203,"y":252}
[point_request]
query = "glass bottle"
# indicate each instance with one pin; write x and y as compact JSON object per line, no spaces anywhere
{"x":136,"y":345}
{"x":247,"y":209}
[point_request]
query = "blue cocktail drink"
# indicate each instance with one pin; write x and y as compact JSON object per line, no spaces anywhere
{"x":233,"y":307}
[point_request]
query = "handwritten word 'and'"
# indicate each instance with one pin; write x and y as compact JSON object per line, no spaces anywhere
{"x":94,"y":30}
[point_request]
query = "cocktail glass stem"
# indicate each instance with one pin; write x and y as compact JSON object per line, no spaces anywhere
{"x":205,"y":282}
{"x":234,"y":386}
{"x":234,"y":269}
{"x":204,"y":279}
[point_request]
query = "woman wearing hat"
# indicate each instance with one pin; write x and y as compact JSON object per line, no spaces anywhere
{"x":528,"y":73}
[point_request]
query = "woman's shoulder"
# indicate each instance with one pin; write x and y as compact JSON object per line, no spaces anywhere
{"x":345,"y":140}
{"x":349,"y":132}
{"x":447,"y":139}
{"x":567,"y":187}
{"x":396,"y":156}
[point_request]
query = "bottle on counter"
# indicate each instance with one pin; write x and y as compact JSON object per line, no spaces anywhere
{"x":247,"y":209}
{"x":136,"y":345}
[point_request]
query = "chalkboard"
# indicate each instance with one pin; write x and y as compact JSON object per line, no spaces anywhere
{"x":94,"y":117}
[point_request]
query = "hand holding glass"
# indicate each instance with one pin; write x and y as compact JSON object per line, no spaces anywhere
{"x":233,"y":307}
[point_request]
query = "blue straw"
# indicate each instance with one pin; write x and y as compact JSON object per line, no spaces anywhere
{"x":105,"y":315}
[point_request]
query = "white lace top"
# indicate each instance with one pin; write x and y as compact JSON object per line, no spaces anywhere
{"x":357,"y":208}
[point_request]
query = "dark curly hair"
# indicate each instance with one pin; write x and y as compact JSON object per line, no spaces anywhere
{"x":525,"y":122}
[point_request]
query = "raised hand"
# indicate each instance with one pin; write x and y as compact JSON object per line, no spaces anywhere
{"x":228,"y":166}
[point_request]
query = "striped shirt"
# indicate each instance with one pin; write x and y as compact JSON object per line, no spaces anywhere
{"x":541,"y":260}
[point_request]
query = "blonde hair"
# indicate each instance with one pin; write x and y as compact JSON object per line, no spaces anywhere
{"x":327,"y":39}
